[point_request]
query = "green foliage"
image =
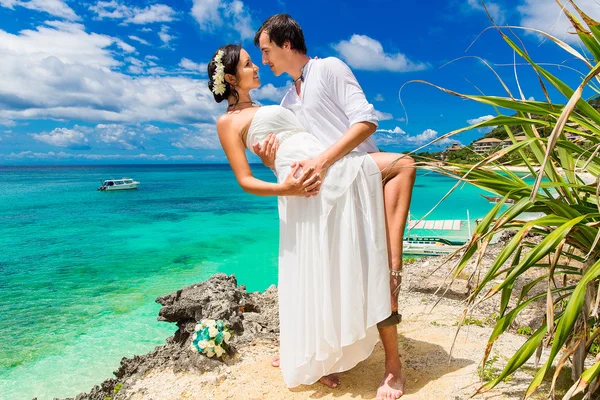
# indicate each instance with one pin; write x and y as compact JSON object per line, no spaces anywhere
{"x":563,"y":210}
{"x":117,"y":388}
{"x":524,"y":330}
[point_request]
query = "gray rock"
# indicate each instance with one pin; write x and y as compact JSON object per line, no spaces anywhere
{"x":248,"y":316}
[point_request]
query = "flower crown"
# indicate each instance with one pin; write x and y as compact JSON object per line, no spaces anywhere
{"x":219,"y":75}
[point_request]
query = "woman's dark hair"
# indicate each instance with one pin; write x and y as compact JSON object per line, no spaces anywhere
{"x":282,"y":28}
{"x":230,"y":59}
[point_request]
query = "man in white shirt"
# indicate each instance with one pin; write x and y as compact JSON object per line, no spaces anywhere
{"x":330,"y":104}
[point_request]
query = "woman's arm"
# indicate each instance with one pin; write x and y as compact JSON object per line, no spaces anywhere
{"x":236,"y":154}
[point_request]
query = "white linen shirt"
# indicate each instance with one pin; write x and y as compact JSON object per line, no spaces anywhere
{"x":330,"y":102}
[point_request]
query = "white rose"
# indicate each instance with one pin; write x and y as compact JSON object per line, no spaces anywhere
{"x":210,"y":354}
{"x":203,"y":344}
{"x":219,"y":351}
{"x":212,"y":331}
{"x":197,"y":328}
{"x":226,"y":336}
{"x":194,"y":336}
{"x":210,"y":323}
{"x":194,"y":349}
{"x":211,"y":343}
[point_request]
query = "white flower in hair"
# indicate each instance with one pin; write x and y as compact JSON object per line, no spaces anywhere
{"x":219,"y":75}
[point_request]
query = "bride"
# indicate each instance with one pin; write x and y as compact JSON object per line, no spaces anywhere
{"x":333,"y":267}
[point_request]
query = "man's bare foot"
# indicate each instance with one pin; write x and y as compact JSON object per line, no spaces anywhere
{"x":275,"y":361}
{"x":392,"y":385}
{"x":331,"y":381}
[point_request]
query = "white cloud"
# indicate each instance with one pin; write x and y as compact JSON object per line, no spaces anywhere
{"x":203,"y":139}
{"x":397,"y":136}
{"x":479,"y":120}
{"x":396,"y":130}
{"x":58,"y":41}
{"x":7,"y":122}
{"x":363,"y":52}
{"x":122,"y":136}
{"x":383,"y":116}
{"x":135,"y":70}
{"x":72,"y":73}
{"x":138,"y":39}
{"x":379,"y":97}
{"x":58,"y":8}
{"x":152,"y":129}
{"x":213,"y":15}
{"x":154,"y":13}
{"x":62,"y":137}
{"x":497,"y":13}
{"x":427,"y":136}
{"x":546,"y":15}
{"x":164,"y":35}
{"x":126,"y":47}
{"x":385,"y":137}
{"x":133,"y":15}
{"x":269,"y":92}
{"x":189,"y":65}
{"x":156,"y":71}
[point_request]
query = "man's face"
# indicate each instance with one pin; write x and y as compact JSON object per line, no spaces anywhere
{"x":272,"y":55}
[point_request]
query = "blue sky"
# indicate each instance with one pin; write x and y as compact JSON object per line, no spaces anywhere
{"x":125,"y":82}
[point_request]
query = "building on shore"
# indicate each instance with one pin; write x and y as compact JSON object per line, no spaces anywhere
{"x":455,"y":147}
{"x":508,"y":142}
{"x":486,"y":145}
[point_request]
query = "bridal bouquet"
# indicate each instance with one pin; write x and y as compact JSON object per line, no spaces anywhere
{"x":210,"y":338}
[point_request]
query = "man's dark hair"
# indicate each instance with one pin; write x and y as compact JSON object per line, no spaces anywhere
{"x":282,"y":28}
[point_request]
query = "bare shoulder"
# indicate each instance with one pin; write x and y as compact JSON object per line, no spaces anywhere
{"x":224,"y":122}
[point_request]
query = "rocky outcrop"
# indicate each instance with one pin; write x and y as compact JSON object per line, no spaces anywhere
{"x":248,"y":315}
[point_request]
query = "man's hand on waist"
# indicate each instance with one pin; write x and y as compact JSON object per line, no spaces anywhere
{"x":319,"y":164}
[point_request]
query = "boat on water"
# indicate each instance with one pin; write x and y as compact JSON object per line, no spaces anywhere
{"x":435,"y":237}
{"x":118,"y":184}
{"x":495,"y":200}
{"x":430,"y":246}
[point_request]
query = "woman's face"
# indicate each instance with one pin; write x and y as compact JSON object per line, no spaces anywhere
{"x":247,"y":72}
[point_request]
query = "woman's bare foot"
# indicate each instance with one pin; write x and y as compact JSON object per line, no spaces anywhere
{"x":275,"y":361}
{"x":331,"y":381}
{"x":392,"y":385}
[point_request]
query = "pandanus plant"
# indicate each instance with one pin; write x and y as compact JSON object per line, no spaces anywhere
{"x":565,"y":200}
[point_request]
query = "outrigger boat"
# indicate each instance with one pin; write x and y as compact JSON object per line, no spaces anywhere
{"x":118,"y":184}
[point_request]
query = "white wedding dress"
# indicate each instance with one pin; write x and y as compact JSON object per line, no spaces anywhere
{"x":333,"y":267}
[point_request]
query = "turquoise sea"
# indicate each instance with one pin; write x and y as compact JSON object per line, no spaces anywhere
{"x":80,"y":269}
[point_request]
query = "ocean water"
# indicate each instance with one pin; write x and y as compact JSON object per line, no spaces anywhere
{"x":80,"y":269}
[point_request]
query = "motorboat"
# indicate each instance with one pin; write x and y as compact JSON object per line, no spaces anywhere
{"x":118,"y":184}
{"x":496,"y":199}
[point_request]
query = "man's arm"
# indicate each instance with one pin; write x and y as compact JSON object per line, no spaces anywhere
{"x":345,"y":90}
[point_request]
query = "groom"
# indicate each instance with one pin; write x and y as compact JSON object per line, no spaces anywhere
{"x":330,"y":104}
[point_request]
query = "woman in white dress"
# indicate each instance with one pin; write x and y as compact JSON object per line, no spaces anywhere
{"x":333,"y":266}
